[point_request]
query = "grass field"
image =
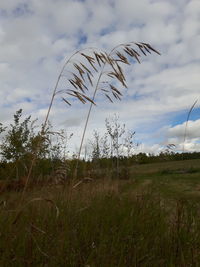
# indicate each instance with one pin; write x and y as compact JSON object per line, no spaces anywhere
{"x":150,"y":219}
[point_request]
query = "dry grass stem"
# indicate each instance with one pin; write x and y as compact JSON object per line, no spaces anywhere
{"x":82,"y":77}
{"x":34,"y":200}
{"x":186,"y":125}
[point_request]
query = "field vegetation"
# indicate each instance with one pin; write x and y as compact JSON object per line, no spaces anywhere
{"x":151,"y":218}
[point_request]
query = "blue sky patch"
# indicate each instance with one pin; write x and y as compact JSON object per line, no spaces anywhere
{"x":181,"y":117}
{"x":3,"y":13}
{"x":27,"y":99}
{"x":21,"y":10}
{"x":82,"y":39}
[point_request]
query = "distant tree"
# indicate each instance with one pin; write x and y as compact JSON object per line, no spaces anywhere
{"x":95,"y":144}
{"x":105,"y":146}
{"x":16,"y":141}
{"x":115,"y":130}
{"x":20,"y":142}
{"x":58,"y":144}
{"x":129,"y":143}
{"x":2,"y":129}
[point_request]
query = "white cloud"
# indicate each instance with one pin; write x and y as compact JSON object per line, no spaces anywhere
{"x":10,"y":4}
{"x":192,"y":130}
{"x":184,"y":136}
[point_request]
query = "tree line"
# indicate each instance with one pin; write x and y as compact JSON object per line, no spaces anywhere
{"x":114,"y":149}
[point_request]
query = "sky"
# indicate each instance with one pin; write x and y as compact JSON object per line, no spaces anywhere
{"x":37,"y":37}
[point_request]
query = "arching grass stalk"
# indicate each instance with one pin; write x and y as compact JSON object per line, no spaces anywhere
{"x":132,"y":53}
{"x":56,"y":87}
{"x":44,"y":126}
{"x":186,"y":126}
{"x":93,"y":98}
{"x":82,"y":76}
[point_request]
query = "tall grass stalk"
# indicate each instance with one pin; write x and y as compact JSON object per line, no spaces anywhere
{"x":186,"y":125}
{"x":43,"y":129}
{"x":122,"y":79}
{"x":82,"y":75}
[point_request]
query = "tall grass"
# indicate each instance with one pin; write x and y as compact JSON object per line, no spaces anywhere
{"x":80,"y":77}
{"x":105,"y":223}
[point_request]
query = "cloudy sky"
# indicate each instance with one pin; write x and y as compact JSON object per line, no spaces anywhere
{"x":36,"y":38}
